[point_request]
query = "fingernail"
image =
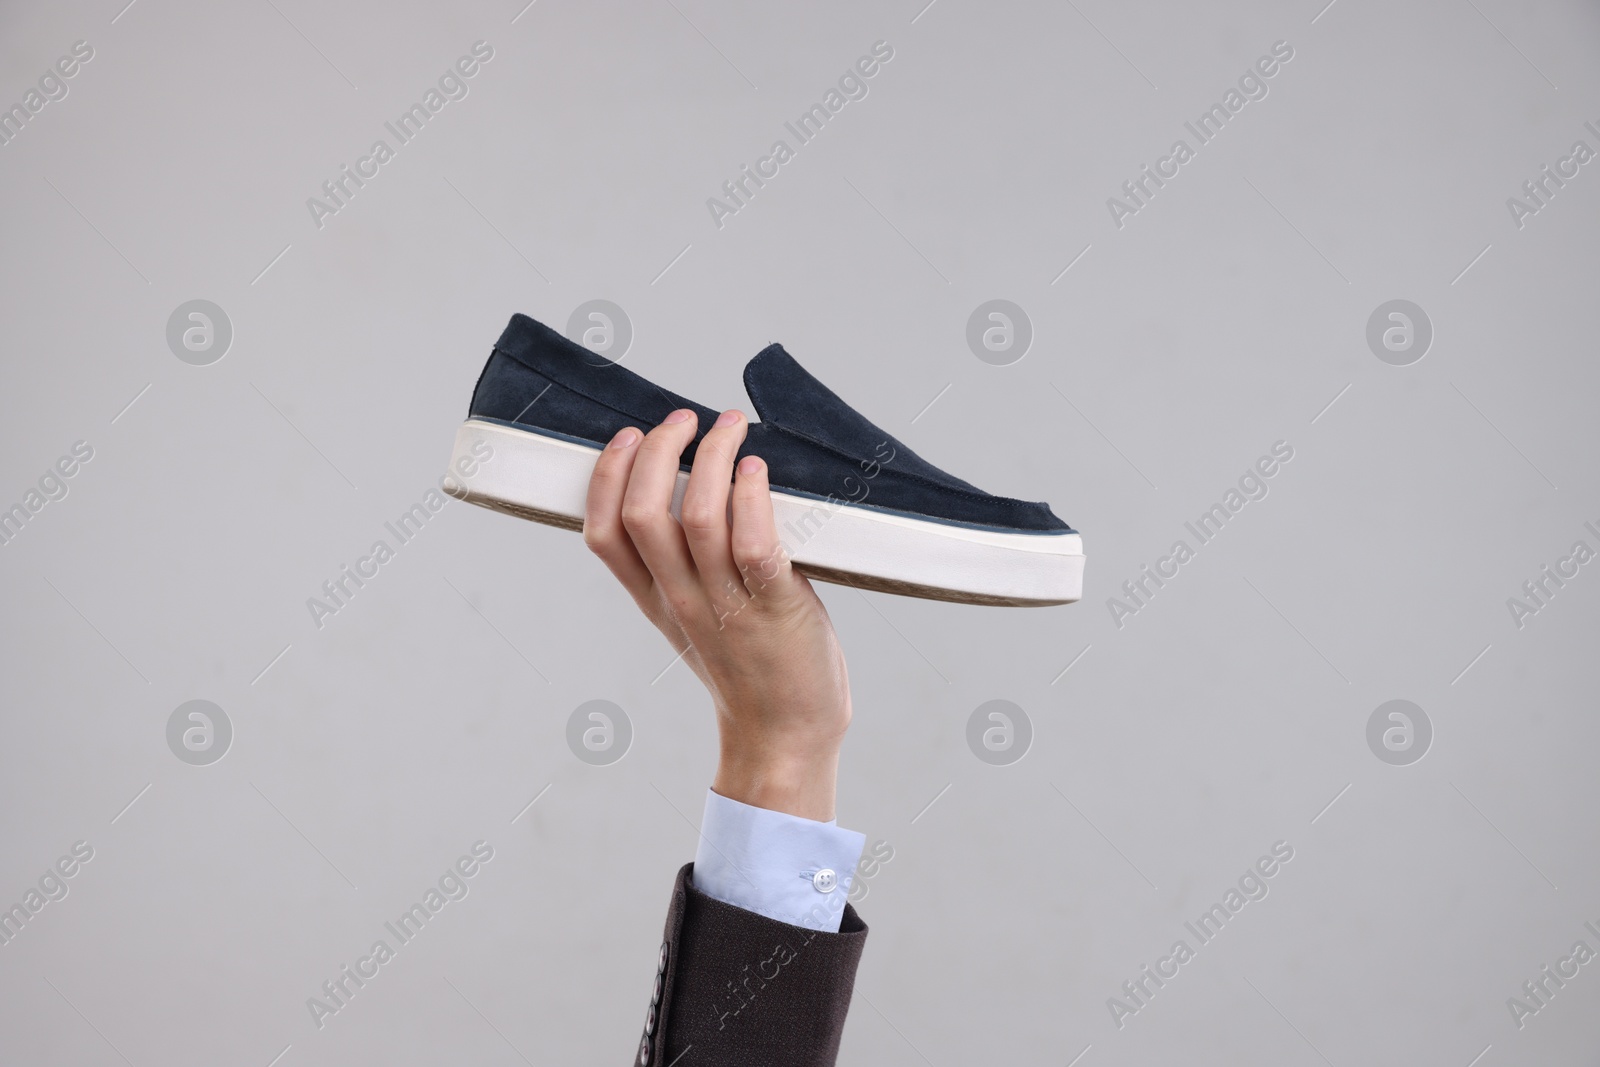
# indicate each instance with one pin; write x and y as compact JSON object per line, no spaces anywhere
{"x":625,"y":438}
{"x":727,"y":418}
{"x":681,"y":415}
{"x":749,"y":465}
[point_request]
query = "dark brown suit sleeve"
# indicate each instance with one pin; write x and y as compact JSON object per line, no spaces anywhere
{"x":737,"y":989}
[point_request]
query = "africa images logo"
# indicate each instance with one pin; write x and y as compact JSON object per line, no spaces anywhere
{"x":342,"y":188}
{"x":1140,"y":190}
{"x":852,"y":85}
{"x":453,"y":885}
{"x":1253,"y":885}
{"x":1252,"y":485}
{"x":52,"y":87}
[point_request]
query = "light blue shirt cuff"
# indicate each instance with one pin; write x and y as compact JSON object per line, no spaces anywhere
{"x":797,"y":871}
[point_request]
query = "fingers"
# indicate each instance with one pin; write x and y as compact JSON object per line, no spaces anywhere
{"x":756,"y":549}
{"x":704,"y":516}
{"x":646,"y":504}
{"x":602,"y":517}
{"x":702,"y":559}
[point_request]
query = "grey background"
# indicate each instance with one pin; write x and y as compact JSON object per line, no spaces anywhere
{"x":1224,"y":717}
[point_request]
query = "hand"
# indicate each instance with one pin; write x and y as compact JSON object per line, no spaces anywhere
{"x":724,"y":593}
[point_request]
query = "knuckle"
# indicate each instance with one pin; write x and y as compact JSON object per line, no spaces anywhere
{"x":758,"y":556}
{"x":659,"y":440}
{"x":767,"y":563}
{"x":637,"y":517}
{"x":699,"y":517}
{"x":597,"y":536}
{"x":716,"y":443}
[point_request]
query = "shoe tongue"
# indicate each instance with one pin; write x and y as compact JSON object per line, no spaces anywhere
{"x":786,"y":395}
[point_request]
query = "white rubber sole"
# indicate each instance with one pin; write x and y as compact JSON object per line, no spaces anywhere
{"x":546,"y":479}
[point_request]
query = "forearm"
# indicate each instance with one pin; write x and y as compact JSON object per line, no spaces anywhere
{"x":802,"y":784}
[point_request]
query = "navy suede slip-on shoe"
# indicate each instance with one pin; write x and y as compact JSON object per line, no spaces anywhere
{"x":853,"y":505}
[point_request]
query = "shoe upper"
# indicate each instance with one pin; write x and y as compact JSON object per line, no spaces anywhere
{"x":813,"y":442}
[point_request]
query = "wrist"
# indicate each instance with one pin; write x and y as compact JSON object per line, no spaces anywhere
{"x":803,"y":785}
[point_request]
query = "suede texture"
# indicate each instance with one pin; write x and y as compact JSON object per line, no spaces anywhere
{"x":812,"y":441}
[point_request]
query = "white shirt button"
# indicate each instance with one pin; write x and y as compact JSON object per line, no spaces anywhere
{"x":824,"y":881}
